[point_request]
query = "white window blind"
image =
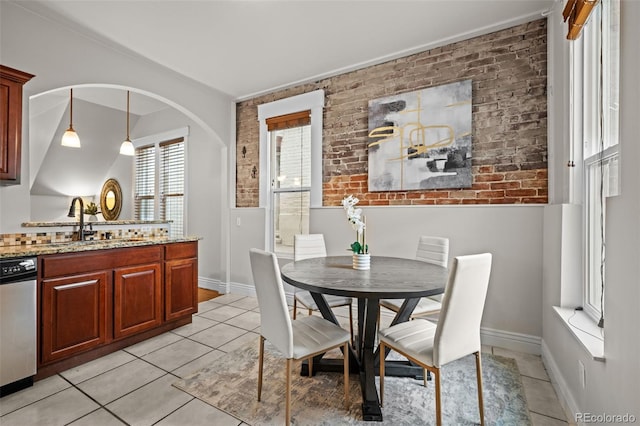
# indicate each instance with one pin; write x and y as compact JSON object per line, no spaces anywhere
{"x":160,"y":183}
{"x":172,"y":184}
{"x":145,"y":183}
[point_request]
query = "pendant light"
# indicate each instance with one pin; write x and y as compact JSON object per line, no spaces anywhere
{"x":127,"y":147}
{"x":70,"y":137}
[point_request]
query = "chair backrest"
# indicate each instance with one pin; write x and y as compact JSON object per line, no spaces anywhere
{"x":433,"y":250}
{"x":275,"y":324}
{"x":306,"y":246}
{"x":458,"y":330}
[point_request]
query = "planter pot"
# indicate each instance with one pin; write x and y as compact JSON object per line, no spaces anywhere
{"x":362,"y":261}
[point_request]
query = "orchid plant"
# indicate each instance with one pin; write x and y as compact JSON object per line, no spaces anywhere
{"x":358,"y":223}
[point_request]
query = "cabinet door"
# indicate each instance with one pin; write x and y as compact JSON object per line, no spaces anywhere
{"x":137,"y":299}
{"x":74,"y":314}
{"x":181,"y":288}
{"x":11,"y":82}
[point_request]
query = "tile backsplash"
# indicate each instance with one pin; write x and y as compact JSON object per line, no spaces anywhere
{"x":31,"y":238}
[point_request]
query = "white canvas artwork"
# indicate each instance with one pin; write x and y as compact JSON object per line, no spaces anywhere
{"x":421,"y":139}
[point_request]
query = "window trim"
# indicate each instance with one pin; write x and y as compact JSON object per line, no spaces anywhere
{"x":157,"y":140}
{"x":313,"y":101}
{"x":586,"y":101}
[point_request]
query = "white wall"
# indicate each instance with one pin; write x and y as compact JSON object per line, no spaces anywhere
{"x":512,"y":233}
{"x":205,"y":194}
{"x":612,"y":387}
{"x":72,"y":172}
{"x":61,"y":57}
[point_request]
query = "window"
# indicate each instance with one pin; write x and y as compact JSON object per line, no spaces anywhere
{"x":290,"y":166}
{"x":160,"y":183}
{"x":596,"y":83}
{"x":290,"y":180}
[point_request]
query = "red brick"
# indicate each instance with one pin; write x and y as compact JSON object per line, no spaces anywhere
{"x":508,"y":70}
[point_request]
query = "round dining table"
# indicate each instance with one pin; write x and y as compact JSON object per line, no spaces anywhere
{"x":387,"y":278}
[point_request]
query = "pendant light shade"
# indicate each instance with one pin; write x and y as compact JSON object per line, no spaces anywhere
{"x":127,"y":147}
{"x":70,"y":137}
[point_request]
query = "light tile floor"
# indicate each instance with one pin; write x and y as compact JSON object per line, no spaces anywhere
{"x":133,"y":386}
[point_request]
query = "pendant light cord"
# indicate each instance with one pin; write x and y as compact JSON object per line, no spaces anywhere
{"x":127,"y":115}
{"x":71,"y":109}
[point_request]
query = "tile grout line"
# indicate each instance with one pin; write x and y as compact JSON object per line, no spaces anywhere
{"x":92,"y":399}
{"x":548,"y":416}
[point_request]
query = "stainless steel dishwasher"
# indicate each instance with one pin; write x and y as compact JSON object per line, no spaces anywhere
{"x":17,"y":323}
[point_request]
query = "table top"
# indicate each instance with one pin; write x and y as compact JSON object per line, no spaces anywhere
{"x":388,"y":278}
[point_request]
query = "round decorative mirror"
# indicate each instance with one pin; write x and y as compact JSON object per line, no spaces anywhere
{"x":111,"y":199}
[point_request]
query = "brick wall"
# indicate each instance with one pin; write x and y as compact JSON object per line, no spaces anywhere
{"x":509,"y":73}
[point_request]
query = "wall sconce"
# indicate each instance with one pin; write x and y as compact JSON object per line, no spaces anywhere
{"x":254,"y":172}
{"x":244,"y":151}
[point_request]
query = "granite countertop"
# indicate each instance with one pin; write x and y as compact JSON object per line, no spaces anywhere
{"x":80,"y":246}
{"x":95,"y":223}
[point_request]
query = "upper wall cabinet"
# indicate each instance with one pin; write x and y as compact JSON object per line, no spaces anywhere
{"x":11,"y":82}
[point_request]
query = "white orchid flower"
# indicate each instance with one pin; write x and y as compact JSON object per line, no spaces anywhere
{"x":357,"y":225}
{"x":349,"y":202}
{"x":357,"y":220}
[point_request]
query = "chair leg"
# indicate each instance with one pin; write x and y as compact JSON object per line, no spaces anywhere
{"x":436,"y":374}
{"x":479,"y":374}
{"x":310,"y":363}
{"x":346,"y":376}
{"x":295,"y":307}
{"x":424,"y":376}
{"x":287,"y":420}
{"x":260,"y":361}
{"x":381,"y":373}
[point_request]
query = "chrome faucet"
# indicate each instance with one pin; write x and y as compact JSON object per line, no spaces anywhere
{"x":81,"y":232}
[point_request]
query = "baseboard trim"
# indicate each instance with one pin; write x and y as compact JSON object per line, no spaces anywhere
{"x":509,"y":340}
{"x":250,"y":290}
{"x":565,"y":396}
{"x":211,"y":284}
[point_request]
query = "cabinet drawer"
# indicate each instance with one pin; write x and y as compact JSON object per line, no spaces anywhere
{"x":73,"y":263}
{"x":181,"y":250}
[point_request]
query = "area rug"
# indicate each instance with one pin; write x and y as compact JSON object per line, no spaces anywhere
{"x":231,"y":386}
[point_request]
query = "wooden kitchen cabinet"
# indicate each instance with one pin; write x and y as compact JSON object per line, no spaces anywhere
{"x":11,"y":82}
{"x":74,"y":314}
{"x":99,"y":301}
{"x":181,"y":280}
{"x":137,"y":296}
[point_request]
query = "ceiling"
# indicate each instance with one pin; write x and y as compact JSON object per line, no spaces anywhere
{"x":248,"y":47}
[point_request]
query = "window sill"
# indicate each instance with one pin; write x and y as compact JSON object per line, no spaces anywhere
{"x":585,"y":331}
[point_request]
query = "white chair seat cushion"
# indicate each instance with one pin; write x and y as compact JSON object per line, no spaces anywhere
{"x":413,"y":338}
{"x":314,"y":334}
{"x":425,"y":305}
{"x":307,"y":301}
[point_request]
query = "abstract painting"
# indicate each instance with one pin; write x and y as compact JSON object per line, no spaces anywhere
{"x":421,"y":139}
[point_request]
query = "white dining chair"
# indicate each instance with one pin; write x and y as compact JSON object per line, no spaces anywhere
{"x":457,"y":332}
{"x":306,"y":246}
{"x":434,"y":250}
{"x":294,"y":339}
